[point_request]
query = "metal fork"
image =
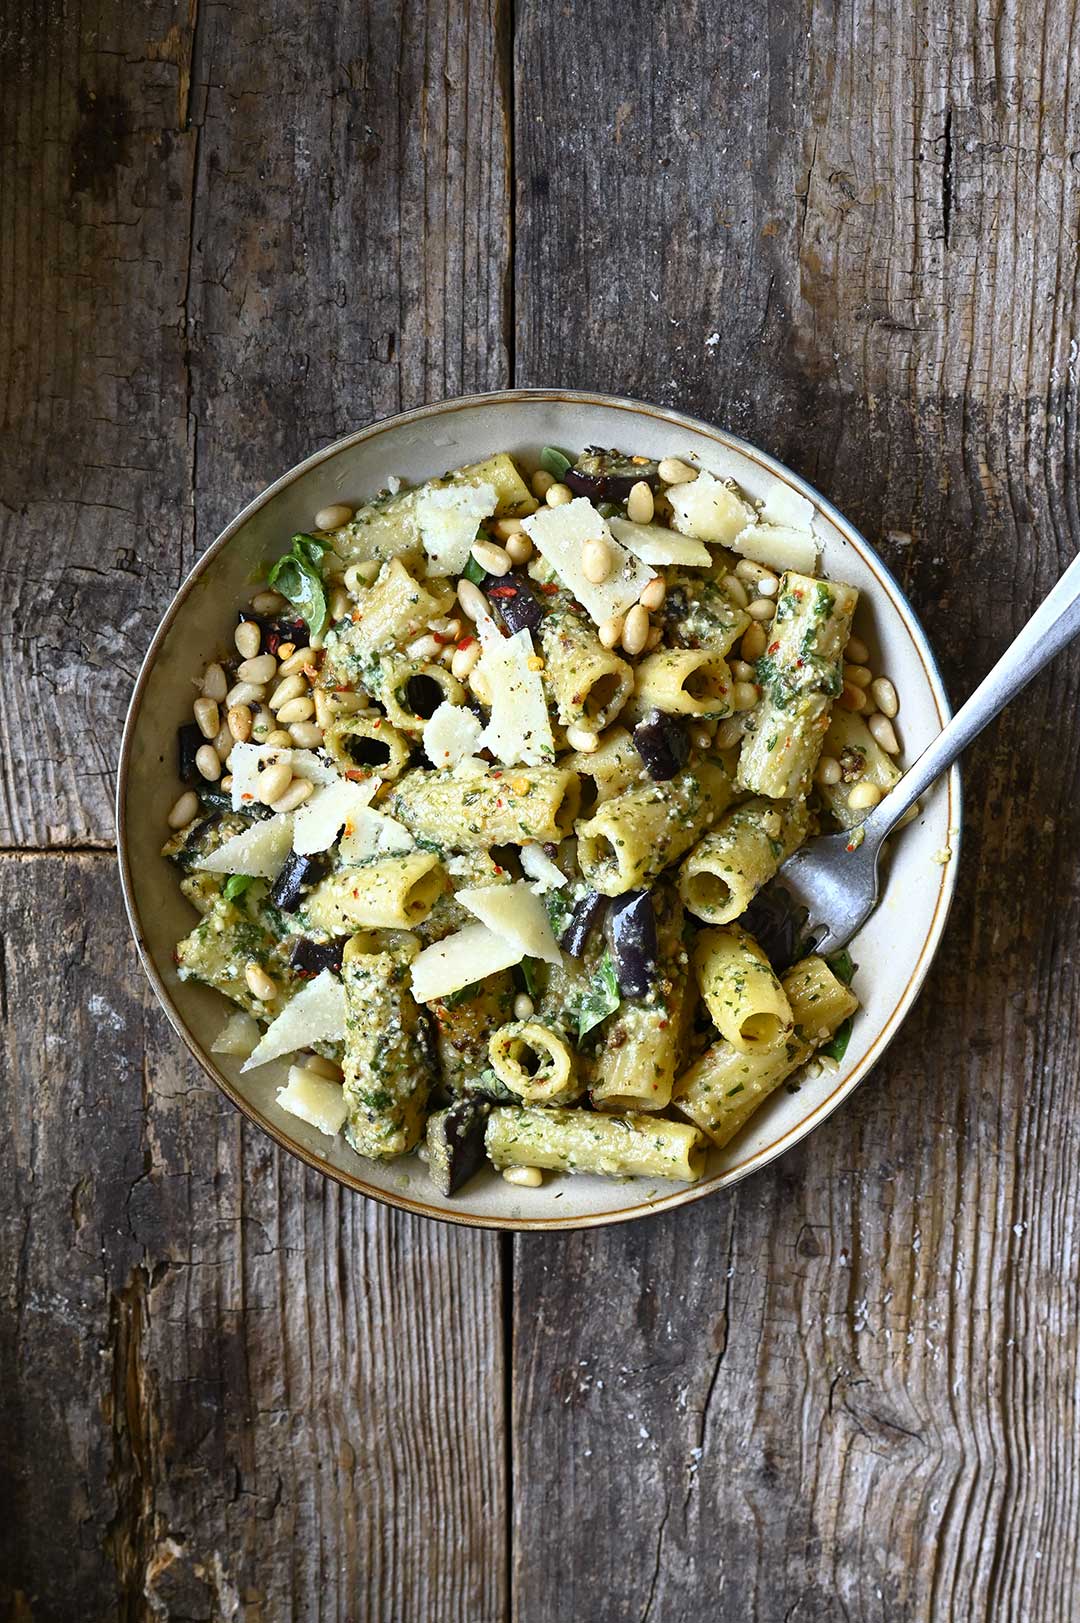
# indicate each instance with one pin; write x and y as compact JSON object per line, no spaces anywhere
{"x":835,"y":878}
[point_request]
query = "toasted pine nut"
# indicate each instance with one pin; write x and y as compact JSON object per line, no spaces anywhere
{"x":246,"y":693}
{"x":426,"y":647}
{"x":579,"y":738}
{"x":279,"y":739}
{"x":504,"y":528}
{"x":291,"y":688}
{"x":653,"y":593}
{"x":274,"y":781}
{"x":558,"y":495}
{"x":259,"y":982}
{"x":306,"y":735}
{"x":654,"y":639}
{"x":333,"y":517}
{"x":767,"y":585}
{"x":640,"y":506}
{"x":744,"y":695}
{"x":762,"y":608}
{"x":519,"y":548}
{"x":464,"y":660}
{"x":215,"y":684}
{"x":296,"y":710}
{"x":224,"y":742}
{"x":742,"y":671}
{"x":185,"y":809}
{"x":541,"y":483}
{"x":524,"y":1007}
{"x":827,"y":771}
{"x":340,"y":603}
{"x":596,"y":560}
{"x":496,"y":560}
{"x":445,"y":628}
{"x":857,"y":675}
{"x":635,"y":629}
{"x":524,"y":1177}
{"x":472,"y":600}
{"x":206,"y":714}
{"x":226,"y":782}
{"x":357,"y":576}
{"x":908,"y":817}
{"x":323,"y":1067}
{"x":299,"y":790}
{"x":735,"y":589}
{"x":674,"y":471}
{"x":263,"y":668}
{"x":885,"y":733}
{"x":262,"y":725}
{"x":747,"y":569}
{"x":208,"y":762}
{"x":295,"y":661}
{"x":729,"y":733}
{"x":856,"y":651}
{"x":863,"y":796}
{"x":700,"y":738}
{"x":884,"y":695}
{"x":852,"y":698}
{"x":754,"y":642}
{"x":248,"y":639}
{"x":609,"y":631}
{"x":267,"y":602}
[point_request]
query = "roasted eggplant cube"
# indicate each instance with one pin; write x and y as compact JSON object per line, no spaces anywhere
{"x":455,"y":1144}
{"x":631,"y":924}
{"x":189,"y":739}
{"x":663,"y":743}
{"x":587,"y":912}
{"x":309,"y":957}
{"x":298,"y":875}
{"x":599,"y":474}
{"x":512,"y":599}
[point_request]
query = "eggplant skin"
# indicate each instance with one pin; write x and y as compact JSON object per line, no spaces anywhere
{"x":455,"y":1144}
{"x":608,"y":474}
{"x":298,"y":874}
{"x":663,"y":744}
{"x":632,"y":929}
{"x":587,"y":912}
{"x":310,"y":957}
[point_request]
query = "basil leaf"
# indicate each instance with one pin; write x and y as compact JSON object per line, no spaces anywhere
{"x":235,"y":886}
{"x":602,"y":998}
{"x":843,"y":966}
{"x":838,"y":1047}
{"x":555,"y":461}
{"x":462,"y":995}
{"x":474,"y":572}
{"x":528,"y":975}
{"x":298,"y":577}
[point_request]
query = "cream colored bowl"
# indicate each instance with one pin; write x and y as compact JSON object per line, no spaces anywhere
{"x":893,"y":951}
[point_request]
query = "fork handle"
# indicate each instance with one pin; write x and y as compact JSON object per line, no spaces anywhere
{"x":1051,"y":628}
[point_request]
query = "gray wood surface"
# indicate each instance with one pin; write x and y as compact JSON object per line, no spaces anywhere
{"x":847,"y":1391}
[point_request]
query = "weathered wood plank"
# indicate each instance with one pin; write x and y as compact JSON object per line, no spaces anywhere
{"x":848,"y":1391}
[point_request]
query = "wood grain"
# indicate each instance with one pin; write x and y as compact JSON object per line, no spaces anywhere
{"x":847,"y":1391}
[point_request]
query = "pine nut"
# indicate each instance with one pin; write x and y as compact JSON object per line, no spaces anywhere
{"x":329,"y":706}
{"x":481,"y":687}
{"x":700,"y":738}
{"x":295,"y":662}
{"x":747,"y":569}
{"x":357,"y":576}
{"x":827,"y":771}
{"x":262,"y":725}
{"x":762,"y":608}
{"x":299,"y":790}
{"x":226,"y":782}
{"x":248,"y":639}
{"x":674,"y":471}
{"x":296,"y":710}
{"x":852,"y":698}
{"x":884,"y":695}
{"x":215,"y":684}
{"x":610,"y":631}
{"x":558,"y":495}
{"x":496,"y":560}
{"x":206,"y":714}
{"x":735,"y":589}
{"x":908,"y":817}
{"x":340,"y":603}
{"x":596,"y":560}
{"x":524,"y":1007}
{"x":306,"y":735}
{"x":333,"y":517}
{"x":524,"y":1177}
{"x":754,"y":642}
{"x":324,"y":1067}
{"x":274,"y":781}
{"x":464,"y":660}
{"x":263,"y":668}
{"x":504,"y":528}
{"x":445,"y":628}
{"x":279,"y":739}
{"x":857,"y":651}
{"x":224,"y":742}
{"x":742,"y":671}
{"x":635,"y":629}
{"x":246,"y":693}
{"x":240,"y":720}
{"x":541,"y":483}
{"x":857,"y":675}
{"x":744,"y":695}
{"x":654,"y":639}
{"x":259,"y":982}
{"x":768,"y":585}
{"x":885,"y":734}
{"x":519,"y":548}
{"x":653,"y":593}
{"x":267,"y":602}
{"x":863,"y":796}
{"x":579,"y":739}
{"x":472,"y":600}
{"x":640,"y":506}
{"x":426,"y":647}
{"x":208,"y":762}
{"x":291,"y":688}
{"x":185,"y":809}
{"x":729,"y":733}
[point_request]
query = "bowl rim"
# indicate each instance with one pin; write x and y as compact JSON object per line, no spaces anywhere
{"x":679,"y":1195}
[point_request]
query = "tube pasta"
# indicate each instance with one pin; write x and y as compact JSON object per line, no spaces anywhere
{"x":633,"y":836}
{"x":721,"y":1091}
{"x":801,"y":673}
{"x":614,"y":766}
{"x":368,"y":742}
{"x":727,"y":867}
{"x":502,"y":806}
{"x":588,"y":683}
{"x":387,"y":617}
{"x":637,"y":1061}
{"x":386,"y":1059}
{"x":583,"y":1141}
{"x":746,"y":1002}
{"x":698,"y":613}
{"x":393,"y":893}
{"x":411,"y":690}
{"x":684,"y":682}
{"x":862,"y":760}
{"x":534,"y":1061}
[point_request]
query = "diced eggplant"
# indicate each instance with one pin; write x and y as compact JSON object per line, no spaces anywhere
{"x":631,"y":924}
{"x":298,"y":875}
{"x":587,"y":912}
{"x":663,"y":743}
{"x":216,"y":799}
{"x":778,"y":925}
{"x":309,"y":957}
{"x":514,"y":602}
{"x":455,"y":1144}
{"x":607,"y":474}
{"x":189,"y":740}
{"x":275,"y":631}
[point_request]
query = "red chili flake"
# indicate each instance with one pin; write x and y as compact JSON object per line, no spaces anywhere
{"x":502,"y":591}
{"x":550,"y":587}
{"x":377,"y":723}
{"x":355,"y":774}
{"x":466,"y":642}
{"x":798,"y":664}
{"x":774,"y":647}
{"x":356,"y":895}
{"x":661,"y":1025}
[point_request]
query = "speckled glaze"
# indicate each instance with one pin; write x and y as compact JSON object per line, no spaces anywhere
{"x":893,"y":951}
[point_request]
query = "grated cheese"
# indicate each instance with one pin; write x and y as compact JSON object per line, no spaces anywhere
{"x":786,"y":508}
{"x":373,"y":834}
{"x":778,"y":548}
{"x":559,"y":533}
{"x":320,"y":820}
{"x":655,"y":545}
{"x":314,"y":1099}
{"x":540,"y":868}
{"x":452,"y":733}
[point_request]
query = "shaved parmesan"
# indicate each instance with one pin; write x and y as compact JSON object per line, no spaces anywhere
{"x":559,"y":533}
{"x":314,"y":1099}
{"x":519,"y":727}
{"x":452,"y":733}
{"x":459,"y":960}
{"x":321,"y":819}
{"x":448,"y":520}
{"x":785,"y":507}
{"x":516,"y":913}
{"x":248,"y":761}
{"x":778,"y":548}
{"x":656,"y":545}
{"x":708,"y":509}
{"x":239,"y":1035}
{"x":315,"y":1015}
{"x":259,"y":852}
{"x":540,"y":868}
{"x":374,"y":834}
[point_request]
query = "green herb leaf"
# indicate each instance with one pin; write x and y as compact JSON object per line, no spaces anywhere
{"x":838,"y":1047}
{"x":298,"y":576}
{"x":602,"y":998}
{"x":235,"y":886}
{"x":555,"y":461}
{"x":474,"y":572}
{"x":843,"y":966}
{"x":528,"y":975}
{"x":462,"y":995}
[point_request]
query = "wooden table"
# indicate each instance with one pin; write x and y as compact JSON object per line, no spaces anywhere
{"x":848,"y":1390}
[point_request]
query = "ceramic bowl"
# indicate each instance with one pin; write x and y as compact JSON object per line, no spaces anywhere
{"x":893,"y":951}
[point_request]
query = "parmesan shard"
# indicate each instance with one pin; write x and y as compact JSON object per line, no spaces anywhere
{"x":259,"y":852}
{"x":459,"y":960}
{"x":786,"y":508}
{"x":452,"y":733}
{"x":374,"y":834}
{"x":540,"y":868}
{"x":315,"y":1015}
{"x":447,"y":518}
{"x":320,"y":820}
{"x":559,"y":533}
{"x":248,"y":761}
{"x":239,"y":1035}
{"x":708,"y":509}
{"x":519,"y":727}
{"x":516,"y":913}
{"x":656,"y":545}
{"x":778,"y":548}
{"x":314,"y":1099}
